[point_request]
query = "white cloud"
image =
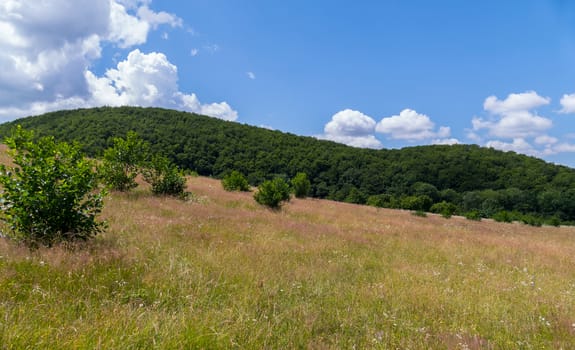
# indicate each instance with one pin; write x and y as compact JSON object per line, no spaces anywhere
{"x":157,"y":18}
{"x":149,"y":80}
{"x":546,"y":140}
{"x":513,"y":118}
{"x":565,"y":147}
{"x":220,"y":110}
{"x":251,"y":75}
{"x":515,"y":103}
{"x":352,"y":128}
{"x":451,"y":141}
{"x":568,"y":103}
{"x":519,"y":145}
{"x":47,"y":47}
{"x":411,"y":126}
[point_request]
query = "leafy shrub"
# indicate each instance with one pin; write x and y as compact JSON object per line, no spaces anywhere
{"x":273,"y":193}
{"x":301,"y":185}
{"x":531,"y":220}
{"x":502,"y":216}
{"x":473,"y":215}
{"x":165,"y":177}
{"x":122,"y":161}
{"x":51,"y":194}
{"x":421,"y":203}
{"x":355,"y":196}
{"x":419,"y":213}
{"x":554,"y":221}
{"x":444,"y":208}
{"x":235,"y":181}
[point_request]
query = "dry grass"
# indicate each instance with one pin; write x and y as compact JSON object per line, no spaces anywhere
{"x":220,"y":271}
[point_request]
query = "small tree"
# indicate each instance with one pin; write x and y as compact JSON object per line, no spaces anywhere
{"x":122,"y":161}
{"x":235,"y":181}
{"x":51,"y":194}
{"x":444,"y":208}
{"x":301,"y":185}
{"x":273,"y":193}
{"x":165,"y":177}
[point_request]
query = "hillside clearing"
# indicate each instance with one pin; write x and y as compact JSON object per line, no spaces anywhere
{"x":221,"y":271}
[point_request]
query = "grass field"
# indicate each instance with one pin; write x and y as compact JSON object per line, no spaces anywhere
{"x":221,"y":272}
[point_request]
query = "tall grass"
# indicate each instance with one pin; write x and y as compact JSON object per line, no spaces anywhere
{"x":219,"y":271}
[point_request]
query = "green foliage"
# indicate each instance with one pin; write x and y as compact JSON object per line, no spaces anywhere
{"x":122,"y":162}
{"x":165,"y":177}
{"x":355,"y":196}
{"x":503,"y":216}
{"x":419,"y":203}
{"x":553,"y":221}
{"x":473,"y":215}
{"x":235,"y":181}
{"x":301,"y":185}
{"x":51,"y":194}
{"x":273,"y":193}
{"x":419,"y":213}
{"x":531,"y":220}
{"x":469,"y":176}
{"x":444,"y":208}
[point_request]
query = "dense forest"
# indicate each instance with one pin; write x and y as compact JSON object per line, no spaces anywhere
{"x":469,"y":178}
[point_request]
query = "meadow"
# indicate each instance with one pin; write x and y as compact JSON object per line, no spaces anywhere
{"x":221,"y":272}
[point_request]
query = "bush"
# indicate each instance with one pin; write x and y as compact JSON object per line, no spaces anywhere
{"x":122,"y":162}
{"x":419,"y":213}
{"x":553,"y":221}
{"x":532,"y":220}
{"x":273,"y":193}
{"x":164,"y":177}
{"x":235,"y":181}
{"x":301,"y":185}
{"x":473,"y":215}
{"x":51,"y":194}
{"x":502,"y":216}
{"x":418,"y":203}
{"x":444,"y":208}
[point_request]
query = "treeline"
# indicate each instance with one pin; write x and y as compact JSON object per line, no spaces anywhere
{"x":482,"y":181}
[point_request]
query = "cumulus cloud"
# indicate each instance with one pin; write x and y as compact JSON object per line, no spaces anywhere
{"x":451,"y":141}
{"x":546,"y":140}
{"x":149,"y":80}
{"x":352,"y":128}
{"x":513,"y":117}
{"x":568,"y":103}
{"x":515,"y":103}
{"x":519,"y":145}
{"x":47,"y":47}
{"x":411,"y":126}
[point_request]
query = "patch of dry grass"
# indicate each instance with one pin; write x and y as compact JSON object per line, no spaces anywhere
{"x":220,"y":271}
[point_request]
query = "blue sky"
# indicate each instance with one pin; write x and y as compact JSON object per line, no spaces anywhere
{"x":379,"y":74}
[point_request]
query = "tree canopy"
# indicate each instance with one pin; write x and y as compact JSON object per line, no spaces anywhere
{"x":471,"y":177}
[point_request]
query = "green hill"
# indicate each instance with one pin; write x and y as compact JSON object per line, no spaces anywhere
{"x":471,"y":177}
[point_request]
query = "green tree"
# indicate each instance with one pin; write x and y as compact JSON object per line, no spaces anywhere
{"x":422,"y":203}
{"x":301,"y":185}
{"x":51,"y":194}
{"x":165,"y":177}
{"x":273,"y":193}
{"x":122,"y":162}
{"x":235,"y":181}
{"x":444,"y":208}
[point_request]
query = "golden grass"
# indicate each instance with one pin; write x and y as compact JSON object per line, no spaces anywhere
{"x":220,"y":271}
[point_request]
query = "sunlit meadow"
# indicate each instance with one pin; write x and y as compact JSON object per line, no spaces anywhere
{"x":220,"y":271}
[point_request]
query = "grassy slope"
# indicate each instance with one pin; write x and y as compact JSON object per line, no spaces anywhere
{"x":223,"y":272}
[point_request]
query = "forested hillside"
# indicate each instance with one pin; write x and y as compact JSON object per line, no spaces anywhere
{"x":472,"y":178}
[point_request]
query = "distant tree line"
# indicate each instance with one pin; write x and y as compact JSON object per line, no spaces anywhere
{"x":460,"y":179}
